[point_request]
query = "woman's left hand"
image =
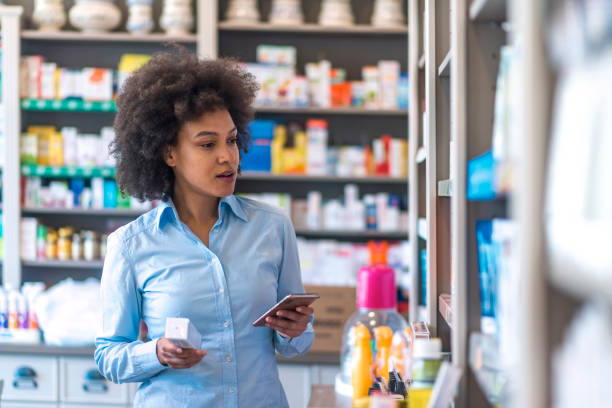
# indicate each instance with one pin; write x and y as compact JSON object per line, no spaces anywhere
{"x":290,"y":323}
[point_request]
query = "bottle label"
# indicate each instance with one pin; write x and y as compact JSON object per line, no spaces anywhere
{"x":3,"y":320}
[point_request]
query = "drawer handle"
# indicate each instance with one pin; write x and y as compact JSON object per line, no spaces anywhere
{"x":95,"y":387}
{"x":29,"y":384}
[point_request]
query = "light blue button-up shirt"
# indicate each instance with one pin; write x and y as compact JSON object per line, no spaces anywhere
{"x":156,"y":268}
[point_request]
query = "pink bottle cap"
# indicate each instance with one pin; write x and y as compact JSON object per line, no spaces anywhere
{"x":376,"y":288}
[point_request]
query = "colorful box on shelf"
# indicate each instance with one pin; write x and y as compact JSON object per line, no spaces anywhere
{"x":481,"y":178}
{"x":68,"y":172}
{"x":68,"y":105}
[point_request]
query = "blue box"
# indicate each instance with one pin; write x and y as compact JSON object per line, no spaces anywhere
{"x":110,"y":194}
{"x":481,"y":178}
{"x":259,"y":157}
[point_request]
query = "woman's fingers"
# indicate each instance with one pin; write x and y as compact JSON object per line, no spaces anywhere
{"x":294,"y":316}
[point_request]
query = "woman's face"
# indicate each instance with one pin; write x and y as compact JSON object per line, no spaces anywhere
{"x":205,"y":159}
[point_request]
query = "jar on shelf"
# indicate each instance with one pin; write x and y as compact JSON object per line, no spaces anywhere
{"x":140,"y":19}
{"x":388,"y":13}
{"x":336,"y":13}
{"x":176,"y":18}
{"x":242,"y":11}
{"x":51,"y":244}
{"x":91,"y":250}
{"x":286,"y":12}
{"x":49,"y":15}
{"x":95,"y":16}
{"x":77,"y":248}
{"x":64,"y":244}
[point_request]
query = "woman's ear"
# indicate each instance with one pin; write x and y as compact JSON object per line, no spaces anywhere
{"x":169,"y":155}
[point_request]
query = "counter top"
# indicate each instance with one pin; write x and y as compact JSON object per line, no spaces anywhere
{"x":43,"y":349}
{"x":324,"y":396}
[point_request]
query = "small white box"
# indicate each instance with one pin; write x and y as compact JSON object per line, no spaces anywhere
{"x":182,"y":333}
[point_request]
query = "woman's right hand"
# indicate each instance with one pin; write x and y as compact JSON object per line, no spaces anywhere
{"x":177,"y":357}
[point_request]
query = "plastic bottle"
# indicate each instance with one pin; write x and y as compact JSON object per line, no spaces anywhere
{"x":3,"y":310}
{"x":362,"y":362}
{"x":64,"y":244}
{"x":427,"y":358}
{"x":22,"y":311}
{"x":76,"y":247}
{"x":41,"y":233}
{"x":383,"y":336}
{"x":13,"y":310}
{"x":51,"y":244}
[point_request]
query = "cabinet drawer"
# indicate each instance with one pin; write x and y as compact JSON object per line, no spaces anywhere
{"x":82,"y":405}
{"x":80,"y":382}
{"x":29,"y":378}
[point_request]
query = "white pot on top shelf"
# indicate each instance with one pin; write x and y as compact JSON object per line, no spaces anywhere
{"x":95,"y":16}
{"x":388,"y":13}
{"x":336,"y":13}
{"x":242,"y":11}
{"x":49,"y":15}
{"x":177,"y":18}
{"x":286,"y":12}
{"x":140,"y":19}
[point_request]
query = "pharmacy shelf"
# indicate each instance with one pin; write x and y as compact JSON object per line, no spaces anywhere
{"x":313,"y":29}
{"x":47,"y":263}
{"x":483,"y":11}
{"x":105,"y":37}
{"x":102,"y":212}
{"x":421,"y":155}
{"x":422,"y":62}
{"x":70,"y":105}
{"x":444,"y":68}
{"x":331,"y":111}
{"x":67,"y":172}
{"x":422,"y":228}
{"x":445,"y":308}
{"x":303,"y":178}
{"x":445,"y":188}
{"x":373,"y":234}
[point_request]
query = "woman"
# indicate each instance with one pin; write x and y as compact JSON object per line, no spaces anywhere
{"x":203,"y":254}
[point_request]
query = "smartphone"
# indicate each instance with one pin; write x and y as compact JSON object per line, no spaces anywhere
{"x":290,"y":302}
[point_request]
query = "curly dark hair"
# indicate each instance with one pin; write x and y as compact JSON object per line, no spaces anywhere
{"x":157,"y":99}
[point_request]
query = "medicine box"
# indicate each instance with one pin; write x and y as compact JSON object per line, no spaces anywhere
{"x":182,"y":333}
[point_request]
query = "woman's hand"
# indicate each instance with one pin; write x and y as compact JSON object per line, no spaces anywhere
{"x":290,"y":323}
{"x":177,"y":357}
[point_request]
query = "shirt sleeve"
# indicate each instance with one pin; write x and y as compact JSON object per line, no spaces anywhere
{"x":290,"y":281}
{"x":120,"y":356}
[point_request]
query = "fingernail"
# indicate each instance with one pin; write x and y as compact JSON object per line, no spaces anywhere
{"x":268,"y":319}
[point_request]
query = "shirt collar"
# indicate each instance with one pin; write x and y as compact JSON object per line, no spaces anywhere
{"x":166,"y":212}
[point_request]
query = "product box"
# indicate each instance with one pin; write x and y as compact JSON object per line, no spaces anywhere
{"x":331,"y":311}
{"x":47,"y":80}
{"x":276,"y":54}
{"x":97,"y":84}
{"x":389,"y":72}
{"x":182,"y":333}
{"x":34,"y":64}
{"x":69,"y":84}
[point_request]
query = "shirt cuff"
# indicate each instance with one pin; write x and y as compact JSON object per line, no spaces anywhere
{"x":146,"y":354}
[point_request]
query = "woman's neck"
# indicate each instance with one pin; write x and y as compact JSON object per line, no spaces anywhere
{"x":195,"y":208}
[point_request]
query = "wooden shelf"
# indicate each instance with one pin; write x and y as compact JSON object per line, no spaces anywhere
{"x":304,"y":178}
{"x":103,"y":212}
{"x":422,"y":62}
{"x":482,"y":11}
{"x":48,"y":263}
{"x":104,"y":37}
{"x":445,"y":188}
{"x":444,"y":68}
{"x":367,"y":234}
{"x":445,"y":308}
{"x":313,"y":28}
{"x":331,"y":111}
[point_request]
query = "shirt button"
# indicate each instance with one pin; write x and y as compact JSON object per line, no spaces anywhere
{"x":231,"y":390}
{"x":228,"y":358}
{"x":225,"y":324}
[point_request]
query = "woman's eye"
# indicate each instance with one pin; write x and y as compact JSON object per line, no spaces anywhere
{"x":233,"y":140}
{"x":207,"y":145}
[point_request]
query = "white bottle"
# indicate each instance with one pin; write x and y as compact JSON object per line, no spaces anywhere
{"x":242,"y":11}
{"x":313,"y":211}
{"x":388,"y":13}
{"x":176,"y":18}
{"x":13,"y":309}
{"x":95,"y":16}
{"x":286,"y":12}
{"x":22,"y":311}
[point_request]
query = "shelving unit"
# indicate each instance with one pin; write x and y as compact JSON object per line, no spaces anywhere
{"x":331,"y":111}
{"x":64,"y":264}
{"x":88,"y":212}
{"x":267,"y":177}
{"x":105,"y":37}
{"x":67,"y":171}
{"x":444,"y":68}
{"x":313,"y":29}
{"x":364,"y":234}
{"x":42,"y":105}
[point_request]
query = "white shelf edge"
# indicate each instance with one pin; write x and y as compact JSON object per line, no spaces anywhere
{"x":421,"y":155}
{"x":45,"y":263}
{"x":331,"y":111}
{"x":83,"y":211}
{"x":444,"y":68}
{"x":488,"y":11}
{"x":257,"y":176}
{"x":313,"y":28}
{"x":109,"y":37}
{"x":422,"y":228}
